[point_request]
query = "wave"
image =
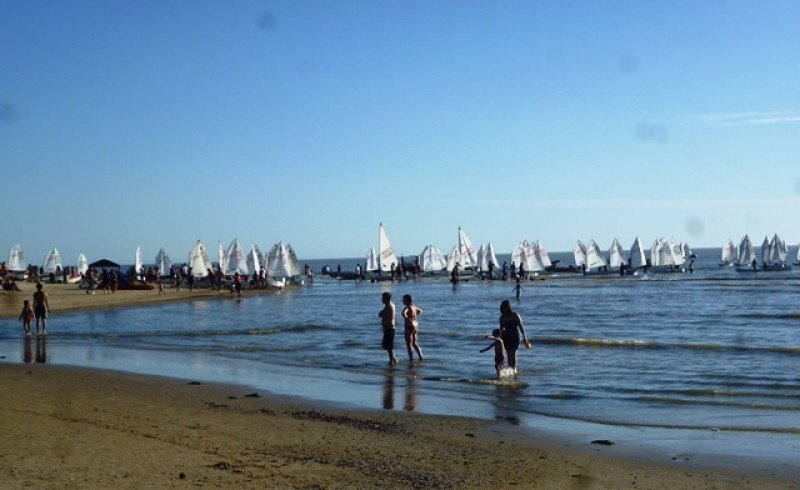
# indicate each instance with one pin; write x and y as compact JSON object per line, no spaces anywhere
{"x":717,"y":403}
{"x":794,"y":315}
{"x":649,"y":344}
{"x":256,"y":331}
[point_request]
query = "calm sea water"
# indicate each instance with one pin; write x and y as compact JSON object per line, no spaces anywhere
{"x":716,"y":350}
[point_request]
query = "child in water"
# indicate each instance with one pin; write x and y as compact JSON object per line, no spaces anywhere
{"x":498,"y":350}
{"x":26,"y":317}
{"x":518,"y":288}
{"x":410,"y":314}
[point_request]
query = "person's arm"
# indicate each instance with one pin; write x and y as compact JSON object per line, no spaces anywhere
{"x":522,"y":328}
{"x":490,"y":346}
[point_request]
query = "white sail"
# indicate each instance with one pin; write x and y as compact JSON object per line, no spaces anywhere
{"x":579,"y":251}
{"x":615,"y":259}
{"x":198,"y":260}
{"x":482,"y":264}
{"x":372,"y":260}
{"x":52,"y":262}
{"x":16,"y":259}
{"x":745,"y":252}
{"x":138,"y":264}
{"x":665,"y":254}
{"x":797,"y":258}
{"x":594,"y":257}
{"x":387,"y":257}
{"x":294,"y":264}
{"x":236,"y":262}
{"x":777,"y":254}
{"x":765,"y":251}
{"x":541,"y":254}
{"x":221,"y":257}
{"x":491,"y":258}
{"x":687,"y":252}
{"x":253,"y":260}
{"x":677,"y":252}
{"x":532,"y":262}
{"x":728,"y":255}
{"x":83,"y":264}
{"x":163,"y":262}
{"x":280,"y":265}
{"x":519,"y":253}
{"x":453,"y":259}
{"x":467,"y":253}
{"x":431,"y":259}
{"x":638,"y":259}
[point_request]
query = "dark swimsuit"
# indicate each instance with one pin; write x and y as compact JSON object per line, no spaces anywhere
{"x":510,"y":333}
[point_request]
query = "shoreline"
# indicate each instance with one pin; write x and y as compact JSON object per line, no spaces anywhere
{"x":70,"y":425}
{"x":68,"y":298}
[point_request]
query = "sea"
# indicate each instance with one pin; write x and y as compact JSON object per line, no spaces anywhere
{"x":703,"y":364}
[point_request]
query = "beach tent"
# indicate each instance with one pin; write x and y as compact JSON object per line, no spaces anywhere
{"x":104,"y":264}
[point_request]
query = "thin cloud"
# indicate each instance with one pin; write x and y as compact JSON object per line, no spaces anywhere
{"x":634,"y":203}
{"x":728,"y":119}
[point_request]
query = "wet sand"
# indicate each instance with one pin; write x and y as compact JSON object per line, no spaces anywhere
{"x":69,"y":297}
{"x":97,"y":429}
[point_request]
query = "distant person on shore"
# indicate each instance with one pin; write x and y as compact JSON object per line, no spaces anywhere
{"x":237,"y":285}
{"x":41,"y":307}
{"x":26,"y":317}
{"x":518,"y":288}
{"x":510,"y":328}
{"x":88,"y":278}
{"x":113,"y":277}
{"x":159,"y":282}
{"x":410,"y":314}
{"x":387,"y":316}
{"x":498,"y":350}
{"x":9,"y":284}
{"x":455,"y":276}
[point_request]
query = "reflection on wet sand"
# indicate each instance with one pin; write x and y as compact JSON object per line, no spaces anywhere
{"x":388,"y":392}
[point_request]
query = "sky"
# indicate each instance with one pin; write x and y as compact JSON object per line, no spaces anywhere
{"x":144,"y":123}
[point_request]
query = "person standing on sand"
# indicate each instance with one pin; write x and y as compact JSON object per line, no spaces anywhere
{"x":387,"y":316}
{"x":410,"y":314}
{"x":510,"y":328}
{"x":41,"y":307}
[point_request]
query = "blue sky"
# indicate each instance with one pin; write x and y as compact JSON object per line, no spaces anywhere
{"x":160,"y":123}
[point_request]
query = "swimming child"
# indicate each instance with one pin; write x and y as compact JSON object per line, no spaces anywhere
{"x":26,"y":317}
{"x":387,"y":316}
{"x":518,"y":288}
{"x":410,"y":314}
{"x":498,"y":350}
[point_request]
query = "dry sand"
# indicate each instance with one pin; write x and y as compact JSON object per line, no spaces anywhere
{"x":64,"y":427}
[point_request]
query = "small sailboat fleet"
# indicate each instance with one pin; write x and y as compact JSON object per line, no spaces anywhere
{"x":774,"y":256}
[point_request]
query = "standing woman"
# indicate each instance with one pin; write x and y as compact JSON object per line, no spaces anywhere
{"x":510,"y":328}
{"x":410,"y":314}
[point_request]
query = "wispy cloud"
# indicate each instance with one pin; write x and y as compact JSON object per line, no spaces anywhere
{"x":636,"y":204}
{"x":728,"y":119}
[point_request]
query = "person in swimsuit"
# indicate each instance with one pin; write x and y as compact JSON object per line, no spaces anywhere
{"x":510,"y":328}
{"x":498,"y":350}
{"x":410,"y":314}
{"x":26,"y":317}
{"x":41,"y":307}
{"x":387,"y":316}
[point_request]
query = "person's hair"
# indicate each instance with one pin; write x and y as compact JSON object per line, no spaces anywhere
{"x":407,"y":297}
{"x":26,"y":303}
{"x":386,"y":296}
{"x":496,"y":332}
{"x":505,"y":307}
{"x":39,"y":286}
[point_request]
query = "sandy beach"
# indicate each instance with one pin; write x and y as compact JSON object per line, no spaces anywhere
{"x":69,"y":297}
{"x":69,"y":427}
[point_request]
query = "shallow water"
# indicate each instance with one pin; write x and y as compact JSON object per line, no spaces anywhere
{"x":715,"y":350}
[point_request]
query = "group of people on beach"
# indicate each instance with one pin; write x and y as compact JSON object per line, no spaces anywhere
{"x":506,"y":340}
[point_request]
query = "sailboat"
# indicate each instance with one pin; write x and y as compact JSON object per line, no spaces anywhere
{"x":775,"y":257}
{"x":254,"y":260}
{"x":221,"y":257}
{"x":541,"y":255}
{"x":235,"y":260}
{"x":16,"y":260}
{"x":52,"y":262}
{"x":83,"y":266}
{"x":594,"y":257}
{"x":372,"y":263}
{"x":638,"y":260}
{"x":746,"y":261}
{"x":797,"y":257}
{"x":138,"y":264}
{"x":453,"y":259}
{"x":199,"y":261}
{"x":615,"y":258}
{"x":728,"y":255}
{"x":163,"y":263}
{"x":579,"y":252}
{"x":282,"y":266}
{"x":386,"y":257}
{"x":468,"y":257}
{"x":487,"y":259}
{"x":431,"y":260}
